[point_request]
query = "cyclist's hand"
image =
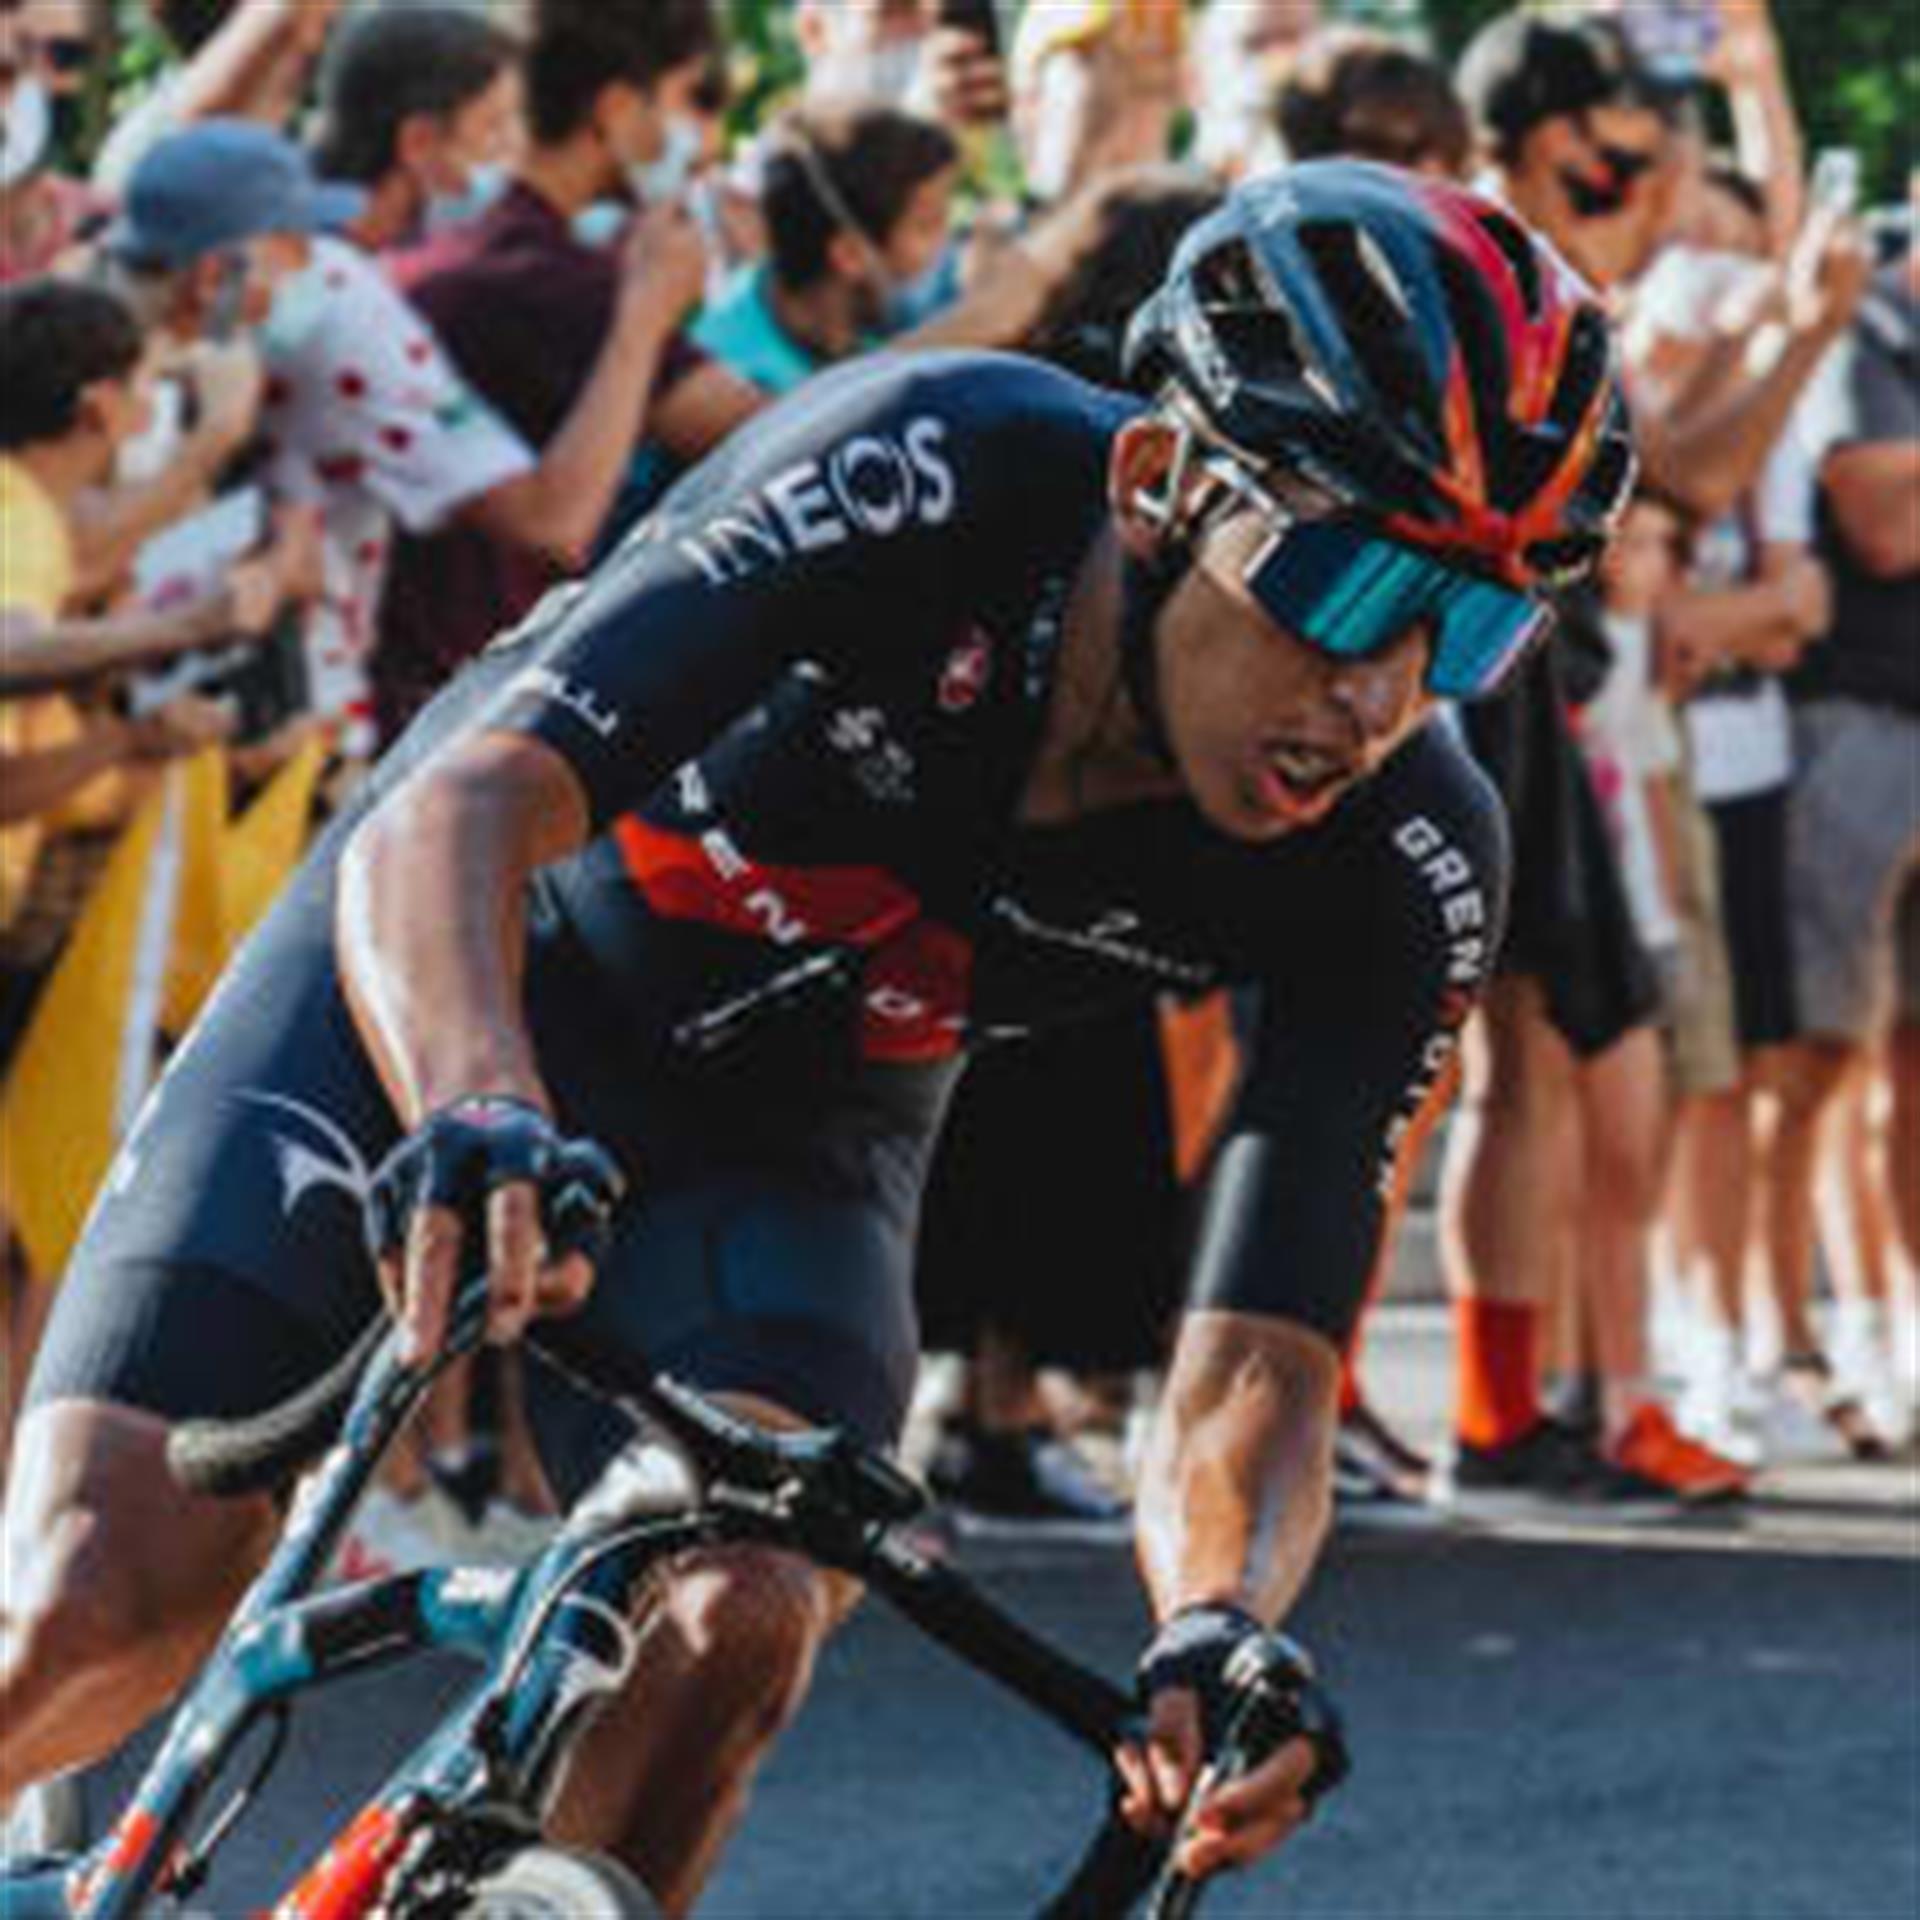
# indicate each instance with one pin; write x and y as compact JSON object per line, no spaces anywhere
{"x":1189,"y":1704}
{"x":544,"y":1204}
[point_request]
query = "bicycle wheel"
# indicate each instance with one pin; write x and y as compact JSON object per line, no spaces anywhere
{"x":549,"y":1883}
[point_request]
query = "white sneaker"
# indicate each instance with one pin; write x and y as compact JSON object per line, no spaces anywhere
{"x":1863,"y":1369}
{"x":1719,"y":1403}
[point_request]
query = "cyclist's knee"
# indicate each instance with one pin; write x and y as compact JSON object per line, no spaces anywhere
{"x":753,"y":1619}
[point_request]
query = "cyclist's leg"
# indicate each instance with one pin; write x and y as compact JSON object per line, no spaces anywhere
{"x":223,"y":1267}
{"x":794,"y":1301}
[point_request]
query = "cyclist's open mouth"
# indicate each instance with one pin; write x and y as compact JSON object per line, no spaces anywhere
{"x":1298,"y":782}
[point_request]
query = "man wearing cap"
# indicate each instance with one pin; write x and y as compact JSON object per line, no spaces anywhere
{"x":214,"y":218}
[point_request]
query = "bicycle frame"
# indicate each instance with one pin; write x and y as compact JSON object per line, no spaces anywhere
{"x":554,"y":1638}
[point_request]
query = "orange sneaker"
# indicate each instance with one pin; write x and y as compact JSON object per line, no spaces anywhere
{"x":1652,"y":1445}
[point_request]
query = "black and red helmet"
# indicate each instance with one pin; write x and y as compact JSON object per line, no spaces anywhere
{"x":1410,"y":348}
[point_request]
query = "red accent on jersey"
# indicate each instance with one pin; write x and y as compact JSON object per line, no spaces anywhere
{"x":916,"y":992}
{"x":916,"y":986}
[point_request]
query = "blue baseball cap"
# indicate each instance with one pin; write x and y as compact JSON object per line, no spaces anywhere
{"x":218,"y":183}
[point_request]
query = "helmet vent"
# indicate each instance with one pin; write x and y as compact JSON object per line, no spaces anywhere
{"x":1360,"y":285}
{"x":1520,"y":256}
{"x":1226,"y":280}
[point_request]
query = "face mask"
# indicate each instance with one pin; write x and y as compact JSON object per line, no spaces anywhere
{"x":299,"y":304}
{"x":906,"y":304}
{"x":485,"y":185}
{"x":600,"y":224}
{"x":26,"y":127}
{"x":658,"y":183}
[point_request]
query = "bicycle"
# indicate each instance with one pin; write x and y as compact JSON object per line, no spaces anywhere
{"x":455,"y":1832}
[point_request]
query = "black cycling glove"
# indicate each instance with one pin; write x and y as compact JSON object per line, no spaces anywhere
{"x":1255,"y":1687}
{"x":460,"y":1154}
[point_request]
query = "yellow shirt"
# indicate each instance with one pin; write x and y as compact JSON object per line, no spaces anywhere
{"x":36,"y":576}
{"x":36,"y":550}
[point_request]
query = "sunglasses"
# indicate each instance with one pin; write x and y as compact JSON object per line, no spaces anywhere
{"x":1350,"y":593}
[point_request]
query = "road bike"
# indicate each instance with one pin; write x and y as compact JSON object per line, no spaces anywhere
{"x":456,"y":1832}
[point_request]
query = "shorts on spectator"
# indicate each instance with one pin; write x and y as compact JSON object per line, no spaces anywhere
{"x":1695,"y":977}
{"x":1752,"y":838}
{"x":1853,"y":839}
{"x":1569,"y":924}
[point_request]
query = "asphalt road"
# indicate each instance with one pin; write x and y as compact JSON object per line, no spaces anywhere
{"x":1713,"y":1721}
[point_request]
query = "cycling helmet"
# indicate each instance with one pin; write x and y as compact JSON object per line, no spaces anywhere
{"x":1409,"y":348}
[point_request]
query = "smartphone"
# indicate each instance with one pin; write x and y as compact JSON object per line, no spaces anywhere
{"x":980,"y":18}
{"x":1835,"y":186}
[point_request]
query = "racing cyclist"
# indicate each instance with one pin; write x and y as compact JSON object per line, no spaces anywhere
{"x":949,"y":699}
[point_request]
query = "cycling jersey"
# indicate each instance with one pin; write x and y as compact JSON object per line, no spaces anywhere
{"x":804,"y":701}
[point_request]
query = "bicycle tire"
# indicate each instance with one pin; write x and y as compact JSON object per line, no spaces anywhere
{"x":553,"y":1883}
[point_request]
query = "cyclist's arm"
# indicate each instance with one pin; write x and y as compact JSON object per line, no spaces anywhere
{"x":1371,"y":983}
{"x":431,"y":919}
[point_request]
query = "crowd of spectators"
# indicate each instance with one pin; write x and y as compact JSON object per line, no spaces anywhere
{"x":363,"y":324}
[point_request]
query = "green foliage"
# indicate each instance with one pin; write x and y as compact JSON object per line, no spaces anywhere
{"x":1854,"y":70}
{"x":762,"y":57}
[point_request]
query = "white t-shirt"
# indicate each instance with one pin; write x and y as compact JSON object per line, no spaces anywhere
{"x":1741,"y":738}
{"x":366,"y":417}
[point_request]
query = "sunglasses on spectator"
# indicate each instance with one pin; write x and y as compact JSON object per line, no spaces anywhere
{"x":67,"y":53}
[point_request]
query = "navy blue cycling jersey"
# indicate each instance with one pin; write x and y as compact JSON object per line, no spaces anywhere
{"x":804,"y":701}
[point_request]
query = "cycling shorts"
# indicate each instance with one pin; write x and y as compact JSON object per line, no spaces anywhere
{"x":766,"y":1245}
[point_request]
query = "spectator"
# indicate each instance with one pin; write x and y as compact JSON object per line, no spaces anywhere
{"x":527,"y":311}
{"x":1563,"y":1066}
{"x":1577,"y":136}
{"x":72,"y":390}
{"x":1365,"y":95}
{"x":1242,"y":55}
{"x":421,"y":108}
{"x":43,"y":213}
{"x":1854,"y":817}
{"x":1753,"y":600}
{"x":237,"y":60}
{"x":857,"y":199}
{"x":368,"y":417}
{"x":67,"y":404}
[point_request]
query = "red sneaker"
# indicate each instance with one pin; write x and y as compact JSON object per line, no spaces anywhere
{"x":1653,"y":1446}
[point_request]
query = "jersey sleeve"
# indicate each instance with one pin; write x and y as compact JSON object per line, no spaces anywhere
{"x":844,"y":525}
{"x":1359,"y":1017}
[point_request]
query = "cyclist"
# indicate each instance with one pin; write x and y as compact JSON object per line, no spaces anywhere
{"x":949,"y":699}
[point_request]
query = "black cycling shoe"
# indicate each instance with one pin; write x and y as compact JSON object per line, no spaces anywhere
{"x":1029,"y":1476}
{"x":1548,"y":1468}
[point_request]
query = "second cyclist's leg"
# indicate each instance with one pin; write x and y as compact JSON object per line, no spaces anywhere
{"x":113,"y":1585}
{"x":727,"y":1643}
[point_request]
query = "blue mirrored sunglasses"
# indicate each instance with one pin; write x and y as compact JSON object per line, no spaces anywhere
{"x":1351,"y":593}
